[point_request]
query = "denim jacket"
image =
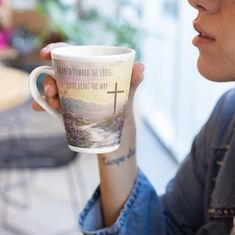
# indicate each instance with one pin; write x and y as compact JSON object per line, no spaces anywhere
{"x":200,"y":200}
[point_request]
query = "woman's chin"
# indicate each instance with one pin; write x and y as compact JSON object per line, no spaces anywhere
{"x":214,"y":73}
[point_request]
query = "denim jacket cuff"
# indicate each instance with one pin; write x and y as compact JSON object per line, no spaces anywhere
{"x":91,"y":218}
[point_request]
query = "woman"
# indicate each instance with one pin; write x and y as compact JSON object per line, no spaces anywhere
{"x":201,"y":198}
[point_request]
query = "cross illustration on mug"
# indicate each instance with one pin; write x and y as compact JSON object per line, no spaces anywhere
{"x":115,"y":92}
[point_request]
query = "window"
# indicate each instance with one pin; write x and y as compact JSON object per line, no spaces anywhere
{"x":174,"y":99}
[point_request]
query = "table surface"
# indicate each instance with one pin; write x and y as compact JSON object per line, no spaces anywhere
{"x":13,"y":87}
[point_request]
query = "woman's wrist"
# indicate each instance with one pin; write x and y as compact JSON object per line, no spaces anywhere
{"x":118,"y":171}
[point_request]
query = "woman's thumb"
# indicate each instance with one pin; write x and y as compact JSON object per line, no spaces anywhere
{"x":137,"y":77}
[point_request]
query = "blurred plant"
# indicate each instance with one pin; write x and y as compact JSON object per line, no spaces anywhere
{"x":126,"y":26}
{"x":79,"y":26}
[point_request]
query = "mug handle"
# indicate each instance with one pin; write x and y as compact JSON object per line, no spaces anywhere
{"x":36,"y":94}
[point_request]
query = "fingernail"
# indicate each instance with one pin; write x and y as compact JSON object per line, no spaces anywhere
{"x":51,"y":100}
{"x":46,"y":49}
{"x":47,"y":87}
{"x":142,"y":67}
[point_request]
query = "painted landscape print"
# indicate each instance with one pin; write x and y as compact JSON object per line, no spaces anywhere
{"x":90,"y":125}
{"x":93,"y":97}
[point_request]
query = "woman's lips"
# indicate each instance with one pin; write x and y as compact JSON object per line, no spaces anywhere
{"x":203,"y":38}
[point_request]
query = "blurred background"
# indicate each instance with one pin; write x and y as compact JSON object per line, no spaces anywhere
{"x":43,"y":186}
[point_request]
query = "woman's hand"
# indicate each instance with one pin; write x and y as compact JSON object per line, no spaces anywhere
{"x":50,"y":89}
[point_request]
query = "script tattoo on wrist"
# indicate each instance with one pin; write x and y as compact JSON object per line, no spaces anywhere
{"x":119,"y":160}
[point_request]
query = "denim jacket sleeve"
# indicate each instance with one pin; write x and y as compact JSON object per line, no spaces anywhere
{"x":180,"y":211}
{"x":137,"y":216}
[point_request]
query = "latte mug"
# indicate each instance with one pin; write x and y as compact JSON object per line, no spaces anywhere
{"x":93,"y":84}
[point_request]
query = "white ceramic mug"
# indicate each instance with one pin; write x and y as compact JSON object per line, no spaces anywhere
{"x":93,"y":84}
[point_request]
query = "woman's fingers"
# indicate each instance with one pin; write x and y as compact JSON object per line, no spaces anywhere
{"x":45,"y":52}
{"x":37,"y":107}
{"x":53,"y":102}
{"x":51,"y":94}
{"x":137,"y":77}
{"x":50,"y":88}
